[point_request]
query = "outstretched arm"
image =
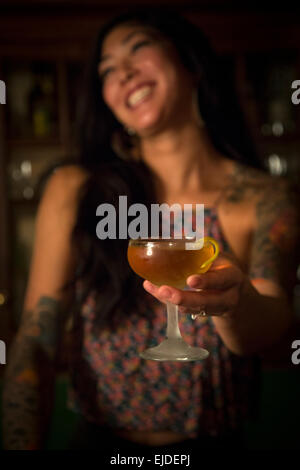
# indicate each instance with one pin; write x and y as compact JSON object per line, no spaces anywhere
{"x":251,"y":311}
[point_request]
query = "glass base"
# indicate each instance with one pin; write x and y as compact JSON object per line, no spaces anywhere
{"x":174,"y":349}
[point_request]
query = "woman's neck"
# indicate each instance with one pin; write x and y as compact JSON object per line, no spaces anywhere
{"x":182,"y":161}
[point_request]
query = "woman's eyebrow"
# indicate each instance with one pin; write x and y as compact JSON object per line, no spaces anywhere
{"x":125,"y":41}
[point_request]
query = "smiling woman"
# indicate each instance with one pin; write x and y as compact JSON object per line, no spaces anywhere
{"x":141,"y":76}
{"x":153,"y":72}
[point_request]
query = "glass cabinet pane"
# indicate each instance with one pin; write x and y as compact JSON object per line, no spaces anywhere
{"x":270,"y":77}
{"x":27,"y":165}
{"x":75,"y":73}
{"x":31,"y":100}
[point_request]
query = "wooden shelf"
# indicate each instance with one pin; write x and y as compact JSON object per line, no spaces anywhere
{"x":272,"y":139}
{"x":22,"y":201}
{"x":34,"y":142}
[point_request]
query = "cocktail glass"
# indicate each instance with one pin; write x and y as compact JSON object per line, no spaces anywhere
{"x":170,"y":262}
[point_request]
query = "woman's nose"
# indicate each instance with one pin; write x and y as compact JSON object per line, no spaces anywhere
{"x":126,"y":72}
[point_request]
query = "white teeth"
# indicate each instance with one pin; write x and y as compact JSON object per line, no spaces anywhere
{"x":138,"y":95}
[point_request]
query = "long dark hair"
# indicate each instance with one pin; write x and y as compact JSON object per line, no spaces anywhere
{"x":102,"y":266}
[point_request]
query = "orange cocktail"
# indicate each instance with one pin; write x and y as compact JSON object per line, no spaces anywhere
{"x":170,"y":261}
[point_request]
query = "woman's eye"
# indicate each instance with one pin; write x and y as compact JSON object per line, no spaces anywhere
{"x":139,"y":44}
{"x":104,"y":74}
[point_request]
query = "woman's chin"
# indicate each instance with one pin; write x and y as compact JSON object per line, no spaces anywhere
{"x":151,"y":129}
{"x":151,"y":124}
{"x":147,"y":132}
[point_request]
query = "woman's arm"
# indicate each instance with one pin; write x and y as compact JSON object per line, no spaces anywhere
{"x":265,"y":311}
{"x":250,"y":311}
{"x":252,"y":321}
{"x":30,"y":371}
{"x":29,"y":377}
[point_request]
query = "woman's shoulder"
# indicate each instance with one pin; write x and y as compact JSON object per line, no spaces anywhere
{"x":65,"y":183}
{"x":70,"y":175}
{"x":251,"y":184}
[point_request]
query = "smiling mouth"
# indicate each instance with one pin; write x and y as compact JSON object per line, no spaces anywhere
{"x":139,"y":96}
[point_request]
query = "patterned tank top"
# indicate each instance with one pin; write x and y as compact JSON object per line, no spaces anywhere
{"x":113,"y":386}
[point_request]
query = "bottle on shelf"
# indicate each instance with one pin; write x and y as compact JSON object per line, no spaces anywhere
{"x":41,"y":106}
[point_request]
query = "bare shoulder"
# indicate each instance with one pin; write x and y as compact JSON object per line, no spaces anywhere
{"x":251,"y":185}
{"x":63,"y":187}
{"x":53,"y":258}
{"x":275,"y":226}
{"x":67,"y":178}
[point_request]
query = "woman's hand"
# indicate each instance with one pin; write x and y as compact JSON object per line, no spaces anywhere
{"x":217,"y":292}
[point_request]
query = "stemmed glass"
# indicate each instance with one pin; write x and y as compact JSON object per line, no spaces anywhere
{"x":171,"y":262}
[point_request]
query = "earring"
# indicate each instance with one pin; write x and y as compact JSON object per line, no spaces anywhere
{"x":126,"y":148}
{"x":130,"y":131}
{"x":198,"y":114}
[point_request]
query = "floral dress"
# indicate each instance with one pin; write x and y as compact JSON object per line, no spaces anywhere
{"x":114,"y":387}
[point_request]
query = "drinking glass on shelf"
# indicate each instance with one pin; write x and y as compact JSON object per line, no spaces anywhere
{"x":171,"y":262}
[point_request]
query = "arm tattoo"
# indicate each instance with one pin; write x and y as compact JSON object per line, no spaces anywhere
{"x":274,"y":241}
{"x":29,"y":376}
{"x":41,"y":326}
{"x":243,"y":183}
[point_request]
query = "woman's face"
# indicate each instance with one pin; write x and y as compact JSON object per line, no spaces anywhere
{"x":143,"y":82}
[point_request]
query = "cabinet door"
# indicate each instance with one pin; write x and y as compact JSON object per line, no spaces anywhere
{"x":6,"y":322}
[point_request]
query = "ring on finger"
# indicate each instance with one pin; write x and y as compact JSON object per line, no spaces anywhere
{"x":202,"y":313}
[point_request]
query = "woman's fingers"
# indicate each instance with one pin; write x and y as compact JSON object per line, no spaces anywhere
{"x":220,"y":277}
{"x":214,"y":302}
{"x":162,"y":293}
{"x":224,"y":273}
{"x":217,"y":291}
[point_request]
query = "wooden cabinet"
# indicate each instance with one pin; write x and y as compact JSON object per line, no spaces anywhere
{"x":36,"y":134}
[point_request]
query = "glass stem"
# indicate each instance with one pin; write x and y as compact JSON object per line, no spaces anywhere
{"x":172,"y":324}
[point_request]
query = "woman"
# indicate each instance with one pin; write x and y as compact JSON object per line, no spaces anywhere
{"x":158,"y":124}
